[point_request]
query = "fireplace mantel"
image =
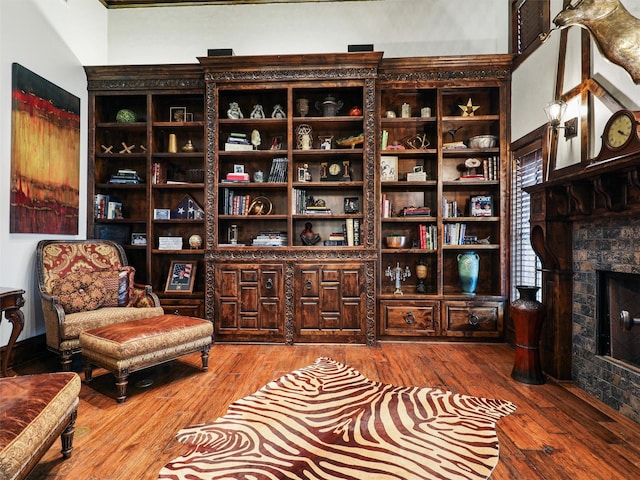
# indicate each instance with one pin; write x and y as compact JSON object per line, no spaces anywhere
{"x":610,"y":188}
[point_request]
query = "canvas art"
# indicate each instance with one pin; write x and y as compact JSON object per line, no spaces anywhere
{"x":45,"y":156}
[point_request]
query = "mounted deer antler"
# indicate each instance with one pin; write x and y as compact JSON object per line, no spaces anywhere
{"x":615,"y":31}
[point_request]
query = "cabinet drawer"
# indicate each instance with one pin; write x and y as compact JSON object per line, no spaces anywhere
{"x":188,"y":308}
{"x":472,"y":319}
{"x":413,"y":318}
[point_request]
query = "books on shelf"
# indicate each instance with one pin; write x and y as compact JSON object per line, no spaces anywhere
{"x":450,"y":208}
{"x":126,"y":176}
{"x":279,"y":168}
{"x":234,"y":203}
{"x":270,"y":239}
{"x":427,"y":236}
{"x":158,"y":174}
{"x":454,"y":233}
{"x":491,"y":168}
{"x":351,"y":232}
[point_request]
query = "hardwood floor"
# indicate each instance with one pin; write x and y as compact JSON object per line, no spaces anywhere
{"x":557,"y":431}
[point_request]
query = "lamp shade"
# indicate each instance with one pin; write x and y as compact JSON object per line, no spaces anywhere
{"x":555,"y":111}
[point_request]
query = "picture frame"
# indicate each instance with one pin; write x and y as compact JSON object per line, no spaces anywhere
{"x":139,"y":239}
{"x":181,"y":277}
{"x":188,"y":117}
{"x":238,"y":169}
{"x":301,"y":174}
{"x":481,"y":206}
{"x":161,"y":213}
{"x":177,"y":114}
{"x":351,"y":205}
{"x":388,"y":168}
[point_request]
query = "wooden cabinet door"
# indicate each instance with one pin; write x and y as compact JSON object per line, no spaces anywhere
{"x":248,"y":302}
{"x":329,"y":302}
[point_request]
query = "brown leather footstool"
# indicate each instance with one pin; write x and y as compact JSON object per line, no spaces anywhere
{"x":130,"y":346}
{"x":35,"y":410}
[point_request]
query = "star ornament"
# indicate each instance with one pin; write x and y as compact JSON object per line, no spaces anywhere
{"x":469,"y":109}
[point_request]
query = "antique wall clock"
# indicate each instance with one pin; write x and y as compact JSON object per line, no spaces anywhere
{"x":621,"y":136}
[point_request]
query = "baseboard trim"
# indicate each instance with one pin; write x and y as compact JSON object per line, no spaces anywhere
{"x":27,"y":350}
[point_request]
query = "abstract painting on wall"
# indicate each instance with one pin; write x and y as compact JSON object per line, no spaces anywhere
{"x":45,"y":156}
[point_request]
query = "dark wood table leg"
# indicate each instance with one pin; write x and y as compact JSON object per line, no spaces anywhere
{"x":11,"y":301}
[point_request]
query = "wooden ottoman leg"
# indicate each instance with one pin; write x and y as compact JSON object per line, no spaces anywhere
{"x":205,"y":357}
{"x":121,"y":384}
{"x":67,"y":436}
{"x":88,"y":370}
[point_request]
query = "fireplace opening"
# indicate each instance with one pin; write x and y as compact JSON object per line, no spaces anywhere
{"x":619,"y":316}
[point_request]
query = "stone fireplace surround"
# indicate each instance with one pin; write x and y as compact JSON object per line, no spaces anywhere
{"x":586,"y":220}
{"x":609,"y":244}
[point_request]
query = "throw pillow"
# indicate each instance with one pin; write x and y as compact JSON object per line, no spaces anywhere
{"x":80,"y":291}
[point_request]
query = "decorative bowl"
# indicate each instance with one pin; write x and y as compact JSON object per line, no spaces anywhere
{"x":483,"y":141}
{"x":397,"y":241}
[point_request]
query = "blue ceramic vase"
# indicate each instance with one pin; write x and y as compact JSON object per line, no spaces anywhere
{"x":468,"y":269}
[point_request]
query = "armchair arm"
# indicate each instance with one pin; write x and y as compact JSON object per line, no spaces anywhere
{"x":54,"y":317}
{"x":144,"y":296}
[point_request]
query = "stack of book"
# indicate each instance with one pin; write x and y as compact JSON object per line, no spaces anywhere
{"x":270,"y":239}
{"x":428,"y":236}
{"x":126,"y":176}
{"x":317,"y":210}
{"x":236,"y":178}
{"x":237,"y":142}
{"x":279,"y":167}
{"x":335,"y":239}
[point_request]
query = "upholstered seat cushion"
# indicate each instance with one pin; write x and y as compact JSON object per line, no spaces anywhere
{"x":78,"y":322}
{"x":134,"y":344}
{"x":32,"y":410}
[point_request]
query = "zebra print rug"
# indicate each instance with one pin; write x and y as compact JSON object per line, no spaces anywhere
{"x":328,"y":422}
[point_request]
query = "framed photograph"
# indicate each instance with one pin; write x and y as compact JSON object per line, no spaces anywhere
{"x":301,"y":174}
{"x":276,"y":143}
{"x":161,"y":213}
{"x":351,"y":205}
{"x":177,"y":114}
{"x":388,"y":168}
{"x":182,"y":276}
{"x":238,"y":169}
{"x":139,"y":239}
{"x":481,"y":206}
{"x":188,"y":117}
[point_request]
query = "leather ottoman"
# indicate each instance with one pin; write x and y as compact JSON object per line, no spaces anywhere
{"x":126,"y":347}
{"x":35,"y":410}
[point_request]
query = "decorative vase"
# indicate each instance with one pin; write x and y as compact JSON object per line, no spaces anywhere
{"x":528,"y":315}
{"x":468,"y":269}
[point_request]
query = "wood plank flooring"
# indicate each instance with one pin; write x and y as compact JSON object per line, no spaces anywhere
{"x":557,"y":431}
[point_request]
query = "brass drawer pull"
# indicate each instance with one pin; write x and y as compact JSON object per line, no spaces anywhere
{"x":410,"y":318}
{"x":474,"y":320}
{"x":269,"y":283}
{"x":308,"y":284}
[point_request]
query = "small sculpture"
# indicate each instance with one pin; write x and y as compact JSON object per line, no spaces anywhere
{"x":278,"y":112}
{"x":255,"y":139}
{"x":307,"y":236}
{"x":234,"y":111}
{"x":257,"y":111}
{"x":397,"y":275}
{"x":195,"y":241}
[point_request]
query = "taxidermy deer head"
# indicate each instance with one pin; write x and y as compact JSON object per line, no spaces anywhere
{"x":615,"y":31}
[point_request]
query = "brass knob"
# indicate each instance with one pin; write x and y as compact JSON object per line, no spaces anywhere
{"x":308,"y":284}
{"x":410,"y":318}
{"x":269,"y":283}
{"x":473,"y":319}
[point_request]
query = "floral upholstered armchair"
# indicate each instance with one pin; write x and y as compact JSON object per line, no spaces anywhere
{"x":85,"y":284}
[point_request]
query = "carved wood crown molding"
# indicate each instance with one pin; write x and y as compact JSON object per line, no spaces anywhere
{"x":446,"y":75}
{"x":145,"y":84}
{"x":296,"y":74}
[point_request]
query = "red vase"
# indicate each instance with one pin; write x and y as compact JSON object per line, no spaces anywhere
{"x":528,"y":315}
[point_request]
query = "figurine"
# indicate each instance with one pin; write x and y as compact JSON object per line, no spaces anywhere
{"x":278,"y":112}
{"x":255,"y":139}
{"x":257,"y":111}
{"x":307,"y":236}
{"x":234,"y":111}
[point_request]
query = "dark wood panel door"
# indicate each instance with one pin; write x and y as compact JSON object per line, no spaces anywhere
{"x":329,"y":302}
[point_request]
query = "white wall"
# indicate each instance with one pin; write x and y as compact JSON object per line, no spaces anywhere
{"x":533,"y":86}
{"x":52,"y":38}
{"x":399,"y":28}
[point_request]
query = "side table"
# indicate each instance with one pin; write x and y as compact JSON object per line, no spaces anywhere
{"x":11,"y":301}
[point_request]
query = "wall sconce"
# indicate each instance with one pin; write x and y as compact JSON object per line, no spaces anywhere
{"x":555,"y":111}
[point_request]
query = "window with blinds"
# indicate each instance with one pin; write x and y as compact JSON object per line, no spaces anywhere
{"x":525,"y":264}
{"x":529,"y":18}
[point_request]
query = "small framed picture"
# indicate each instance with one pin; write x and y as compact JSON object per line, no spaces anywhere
{"x":139,"y":239}
{"x":188,"y":117}
{"x":481,"y":206}
{"x":388,"y":168}
{"x":302,"y":174}
{"x":177,"y":114}
{"x":351,"y":205}
{"x":276,"y":143}
{"x":238,"y":169}
{"x":161,"y":213}
{"x":182,"y":276}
